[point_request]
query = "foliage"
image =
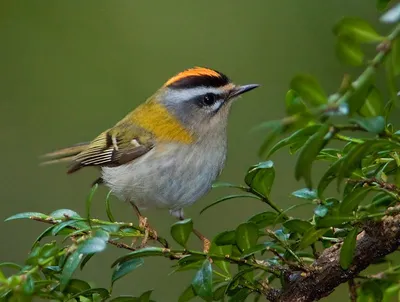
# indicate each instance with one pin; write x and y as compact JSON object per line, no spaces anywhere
{"x":349,"y":130}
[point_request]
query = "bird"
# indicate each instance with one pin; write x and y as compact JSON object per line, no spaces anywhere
{"x":168,"y":151}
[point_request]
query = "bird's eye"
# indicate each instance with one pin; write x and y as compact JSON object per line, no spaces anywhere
{"x":209,"y":99}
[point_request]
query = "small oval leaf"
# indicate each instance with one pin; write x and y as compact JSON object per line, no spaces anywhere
{"x":71,"y":264}
{"x":203,"y":280}
{"x":181,"y":231}
{"x":246,"y":235}
{"x":309,"y":89}
{"x":143,"y":252}
{"x":353,"y":200}
{"x":26,"y":215}
{"x":225,"y":238}
{"x":308,"y":154}
{"x":310,"y":237}
{"x":297,"y":225}
{"x":348,"y":247}
{"x":358,"y":29}
{"x":305,"y":194}
{"x":349,"y":51}
{"x":265,"y":219}
{"x":126,"y":267}
{"x":260,"y":177}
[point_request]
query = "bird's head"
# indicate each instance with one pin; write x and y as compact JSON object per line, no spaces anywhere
{"x":200,"y":98}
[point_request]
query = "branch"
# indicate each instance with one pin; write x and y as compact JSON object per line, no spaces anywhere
{"x":377,"y":240}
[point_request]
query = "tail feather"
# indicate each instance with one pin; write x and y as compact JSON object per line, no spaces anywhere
{"x":63,"y":155}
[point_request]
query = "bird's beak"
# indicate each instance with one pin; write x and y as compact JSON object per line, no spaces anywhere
{"x":238,"y":90}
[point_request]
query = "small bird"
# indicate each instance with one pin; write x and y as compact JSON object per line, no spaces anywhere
{"x":168,"y":151}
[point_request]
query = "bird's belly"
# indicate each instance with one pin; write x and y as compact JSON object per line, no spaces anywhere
{"x":169,"y":176}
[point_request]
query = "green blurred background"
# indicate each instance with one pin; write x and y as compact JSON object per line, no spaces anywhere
{"x":69,"y":69}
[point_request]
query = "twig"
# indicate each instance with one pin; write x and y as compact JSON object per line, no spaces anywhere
{"x":52,"y":221}
{"x":352,"y":290}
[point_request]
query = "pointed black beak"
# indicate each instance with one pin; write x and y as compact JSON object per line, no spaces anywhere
{"x":238,"y":90}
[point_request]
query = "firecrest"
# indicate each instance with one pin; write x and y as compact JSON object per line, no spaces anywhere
{"x":167,"y":152}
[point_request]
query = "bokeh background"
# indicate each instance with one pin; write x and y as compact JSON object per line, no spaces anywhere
{"x":69,"y":69}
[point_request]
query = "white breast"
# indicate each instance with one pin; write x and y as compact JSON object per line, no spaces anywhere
{"x":169,"y":176}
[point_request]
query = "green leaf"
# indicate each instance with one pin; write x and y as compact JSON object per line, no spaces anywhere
{"x":86,"y":260}
{"x":203,"y":280}
{"x":305,"y":194}
{"x":330,"y":174}
{"x":298,"y":137}
{"x":353,"y":200}
{"x":347,"y":250}
{"x":308,"y":154}
{"x":297,"y":225}
{"x":143,"y":252}
{"x":372,"y":124}
{"x":225,"y":238}
{"x":77,"y":286}
{"x":27,"y":215}
{"x":358,"y":29}
{"x":349,"y":52}
{"x":373,"y":105}
{"x":28,"y":286}
{"x":222,"y":184}
{"x":69,"y":268}
{"x":294,"y":103}
{"x":395,"y":55}
{"x":221,"y":250}
{"x":321,"y":210}
{"x":257,"y":249}
{"x":310,"y":237}
{"x":92,"y":245}
{"x":12,"y":264}
{"x":352,"y":160}
{"x":246,"y":235}
{"x":260,"y":177}
{"x":108,"y":207}
{"x":145,"y":297}
{"x":62,"y":214}
{"x":102,"y":234}
{"x":219,"y":291}
{"x":187,"y":295}
{"x":125,"y":299}
{"x":228,"y":198}
{"x":265,"y":219}
{"x":102,"y":292}
{"x":333,"y":221}
{"x":57,"y":228}
{"x":382,"y":4}
{"x":126,"y":267}
{"x":392,"y":15}
{"x":181,"y":231}
{"x":309,"y":89}
{"x":89,"y":201}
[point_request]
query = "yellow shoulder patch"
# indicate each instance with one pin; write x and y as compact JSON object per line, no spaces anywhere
{"x":155,"y":118}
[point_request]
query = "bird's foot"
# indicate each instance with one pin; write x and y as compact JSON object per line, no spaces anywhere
{"x":206,"y":245}
{"x":149,"y":232}
{"x":206,"y":242}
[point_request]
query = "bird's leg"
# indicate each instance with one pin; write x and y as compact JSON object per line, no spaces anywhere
{"x":148,"y":230}
{"x":206,"y":243}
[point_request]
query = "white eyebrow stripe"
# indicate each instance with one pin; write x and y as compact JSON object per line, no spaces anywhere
{"x":190,"y":93}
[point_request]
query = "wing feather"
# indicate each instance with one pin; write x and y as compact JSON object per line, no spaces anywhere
{"x":114,"y":147}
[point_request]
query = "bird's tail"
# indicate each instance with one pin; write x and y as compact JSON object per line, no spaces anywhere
{"x":63,"y":155}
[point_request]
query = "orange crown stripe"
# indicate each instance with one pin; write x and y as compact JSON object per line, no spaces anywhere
{"x":197,"y":71}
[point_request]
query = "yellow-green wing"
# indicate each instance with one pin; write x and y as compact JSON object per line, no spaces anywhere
{"x":114,"y":147}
